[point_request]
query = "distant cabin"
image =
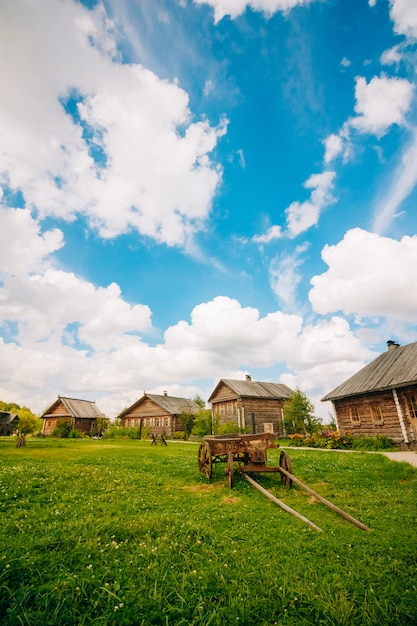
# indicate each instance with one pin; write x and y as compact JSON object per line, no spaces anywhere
{"x":381,"y":399}
{"x":252,"y":406}
{"x":158,"y":413}
{"x":8,"y":423}
{"x":82,"y":414}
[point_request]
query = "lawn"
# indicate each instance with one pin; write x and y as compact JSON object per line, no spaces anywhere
{"x":125,"y":533}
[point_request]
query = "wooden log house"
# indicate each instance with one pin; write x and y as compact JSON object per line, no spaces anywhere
{"x":160,"y":414}
{"x":252,"y":406}
{"x":381,"y":399}
{"x":8,"y":423}
{"x":82,"y":414}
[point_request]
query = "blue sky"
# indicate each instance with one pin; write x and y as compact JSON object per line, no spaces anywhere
{"x":199,"y":189}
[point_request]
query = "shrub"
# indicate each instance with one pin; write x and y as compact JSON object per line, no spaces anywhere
{"x":333,"y":440}
{"x":62,"y":429}
{"x":373,"y":443}
{"x":179,"y":434}
{"x":120,"y":432}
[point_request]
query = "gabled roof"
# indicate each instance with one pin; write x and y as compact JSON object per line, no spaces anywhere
{"x":397,"y":367}
{"x":254,"y":389}
{"x":76,"y":408}
{"x":172,"y":404}
{"x":7,"y":418}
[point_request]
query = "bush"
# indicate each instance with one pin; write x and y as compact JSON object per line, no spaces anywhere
{"x":179,"y":434}
{"x":334,"y":440}
{"x":120,"y":432}
{"x":373,"y":443}
{"x":62,"y":429}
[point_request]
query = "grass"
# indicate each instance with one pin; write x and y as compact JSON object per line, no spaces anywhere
{"x":125,"y":533}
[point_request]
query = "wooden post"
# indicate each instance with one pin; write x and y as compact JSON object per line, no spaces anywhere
{"x":280,"y":503}
{"x":331,"y":506}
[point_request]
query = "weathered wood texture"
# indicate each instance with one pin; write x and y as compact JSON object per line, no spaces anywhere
{"x":249,"y":413}
{"x":154,"y":418}
{"x":368,"y":426}
{"x":82,"y":414}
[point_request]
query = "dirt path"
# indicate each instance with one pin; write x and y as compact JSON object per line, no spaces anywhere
{"x":407,"y":456}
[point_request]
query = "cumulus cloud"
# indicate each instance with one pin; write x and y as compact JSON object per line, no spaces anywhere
{"x":23,"y":247}
{"x":221,"y":336}
{"x":237,"y":7}
{"x":110,"y":141}
{"x":380,"y":103}
{"x":404,"y":15}
{"x":368,"y":275}
{"x":303,"y":215}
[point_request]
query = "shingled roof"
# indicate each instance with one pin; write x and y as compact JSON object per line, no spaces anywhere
{"x":171,"y":404}
{"x":254,"y":389}
{"x":76,"y":408}
{"x":392,"y":369}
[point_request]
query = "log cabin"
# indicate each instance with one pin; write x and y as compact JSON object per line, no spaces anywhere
{"x":82,"y":415}
{"x":8,"y":423}
{"x":159,"y":414}
{"x":381,"y":399}
{"x":251,"y":406}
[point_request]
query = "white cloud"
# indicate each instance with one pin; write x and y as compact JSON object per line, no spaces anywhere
{"x":221,"y":337}
{"x":303,"y":215}
{"x":391,"y":56}
{"x":333,"y":147}
{"x":237,"y":7}
{"x":23,"y":247}
{"x":404,"y":15}
{"x":380,"y":103}
{"x":274,"y":232}
{"x":154,"y":175}
{"x":368,"y":275}
{"x":284,"y":277}
{"x":401,"y":184}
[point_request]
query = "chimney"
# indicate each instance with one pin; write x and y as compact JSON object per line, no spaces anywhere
{"x":248,"y":378}
{"x":392,"y":345}
{"x":165,"y":393}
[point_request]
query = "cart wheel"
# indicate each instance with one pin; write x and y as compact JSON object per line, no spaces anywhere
{"x":205,"y":464}
{"x":230,"y":470}
{"x":285,"y":463}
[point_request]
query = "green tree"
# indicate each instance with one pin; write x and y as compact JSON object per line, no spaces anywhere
{"x":187,"y":419}
{"x":101,"y":425}
{"x":202,"y":424}
{"x":299,"y":415}
{"x":199,"y":400}
{"x":27,"y":425}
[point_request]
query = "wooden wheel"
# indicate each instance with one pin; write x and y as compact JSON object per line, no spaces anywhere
{"x":230,"y":470}
{"x":285,"y":463}
{"x":205,"y":463}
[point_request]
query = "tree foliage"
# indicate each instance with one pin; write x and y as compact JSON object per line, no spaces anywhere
{"x":299,"y":415}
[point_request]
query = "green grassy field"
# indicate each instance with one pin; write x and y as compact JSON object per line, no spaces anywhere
{"x":122,"y":532}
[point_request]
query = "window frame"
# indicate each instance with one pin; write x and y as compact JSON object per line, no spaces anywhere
{"x":355,"y":415}
{"x":377,"y":416}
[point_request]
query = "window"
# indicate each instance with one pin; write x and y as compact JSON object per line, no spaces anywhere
{"x":156,"y":422}
{"x":166,"y":421}
{"x":355,"y":417}
{"x":376,"y":413}
{"x":412,"y":406}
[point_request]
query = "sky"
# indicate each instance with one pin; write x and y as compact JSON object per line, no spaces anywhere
{"x":193,"y":190}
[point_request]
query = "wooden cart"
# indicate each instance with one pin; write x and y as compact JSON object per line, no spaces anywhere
{"x":248,"y":451}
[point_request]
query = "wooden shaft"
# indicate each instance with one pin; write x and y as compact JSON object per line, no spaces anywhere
{"x":331,"y":506}
{"x":280,"y":503}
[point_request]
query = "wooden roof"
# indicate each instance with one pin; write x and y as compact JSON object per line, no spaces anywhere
{"x":171,"y":404}
{"x":254,"y":389}
{"x":397,"y":367}
{"x":75,"y":408}
{"x":7,"y":418}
